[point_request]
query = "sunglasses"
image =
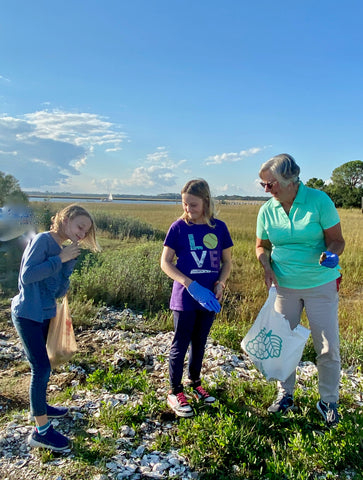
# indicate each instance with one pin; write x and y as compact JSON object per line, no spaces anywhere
{"x":269,"y":185}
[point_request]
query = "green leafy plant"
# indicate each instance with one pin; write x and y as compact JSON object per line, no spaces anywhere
{"x":116,"y":382}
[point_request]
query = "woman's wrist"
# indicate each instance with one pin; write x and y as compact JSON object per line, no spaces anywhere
{"x":219,"y":282}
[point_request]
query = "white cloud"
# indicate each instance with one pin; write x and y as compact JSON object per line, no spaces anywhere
{"x":4,"y":79}
{"x":145,"y":177}
{"x":232,"y":156}
{"x":160,"y":155}
{"x":159,"y":173}
{"x":47,"y":148}
{"x":81,"y":129}
{"x":238,"y":189}
{"x":224,"y":188}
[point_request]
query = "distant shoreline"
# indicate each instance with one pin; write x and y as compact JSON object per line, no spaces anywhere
{"x":100,"y":198}
{"x":121,"y":198}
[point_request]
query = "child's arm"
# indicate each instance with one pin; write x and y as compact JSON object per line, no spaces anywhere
{"x":37,"y":266}
{"x":167,"y":265}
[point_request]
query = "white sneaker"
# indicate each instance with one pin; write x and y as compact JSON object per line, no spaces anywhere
{"x":179,"y":403}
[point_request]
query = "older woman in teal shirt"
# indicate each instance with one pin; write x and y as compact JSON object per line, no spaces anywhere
{"x":299,"y":240}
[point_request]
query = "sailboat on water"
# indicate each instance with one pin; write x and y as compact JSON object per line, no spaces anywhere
{"x":108,"y":199}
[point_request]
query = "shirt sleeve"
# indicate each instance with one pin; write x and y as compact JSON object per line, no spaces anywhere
{"x":36,"y":266}
{"x":227,"y":241}
{"x":171,"y":237}
{"x":328,"y":213}
{"x":261,"y":231}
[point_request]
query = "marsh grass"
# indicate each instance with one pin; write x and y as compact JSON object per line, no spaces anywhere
{"x":127,"y":275}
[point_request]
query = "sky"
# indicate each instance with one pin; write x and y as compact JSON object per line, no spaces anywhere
{"x":140,"y":96}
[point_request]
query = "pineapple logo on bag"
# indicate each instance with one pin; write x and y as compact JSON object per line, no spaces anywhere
{"x":265,"y":345}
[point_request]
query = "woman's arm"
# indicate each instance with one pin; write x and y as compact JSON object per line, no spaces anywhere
{"x":263,"y":254}
{"x":167,"y":265}
{"x":334,"y":240}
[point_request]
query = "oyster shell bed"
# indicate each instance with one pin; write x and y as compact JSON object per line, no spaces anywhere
{"x":134,"y":459}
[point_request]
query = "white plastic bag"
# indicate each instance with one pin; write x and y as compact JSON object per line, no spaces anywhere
{"x":61,"y":341}
{"x":270,"y":343}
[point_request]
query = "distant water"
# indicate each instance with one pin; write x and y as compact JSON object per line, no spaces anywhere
{"x":97,"y":200}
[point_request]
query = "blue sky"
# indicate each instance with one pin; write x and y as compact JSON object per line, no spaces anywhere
{"x":140,"y":96}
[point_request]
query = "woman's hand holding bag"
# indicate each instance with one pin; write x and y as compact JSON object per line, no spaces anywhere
{"x":270,"y":343}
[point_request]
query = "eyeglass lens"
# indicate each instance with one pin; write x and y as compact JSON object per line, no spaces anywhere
{"x":269,"y":185}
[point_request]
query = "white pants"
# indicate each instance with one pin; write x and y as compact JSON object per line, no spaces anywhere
{"x":321,"y":307}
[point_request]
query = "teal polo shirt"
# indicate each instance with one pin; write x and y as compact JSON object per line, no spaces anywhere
{"x":298,"y":238}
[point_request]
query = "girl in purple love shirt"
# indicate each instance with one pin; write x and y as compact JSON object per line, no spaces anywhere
{"x":202,"y":246}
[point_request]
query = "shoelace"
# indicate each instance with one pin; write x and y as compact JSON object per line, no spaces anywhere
{"x":331,"y":414}
{"x":330,"y":417}
{"x":202,"y":392}
{"x":182,"y":399}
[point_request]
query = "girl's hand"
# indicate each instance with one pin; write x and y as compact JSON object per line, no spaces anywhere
{"x":69,"y":252}
{"x":204,"y":296}
{"x":218,"y":290}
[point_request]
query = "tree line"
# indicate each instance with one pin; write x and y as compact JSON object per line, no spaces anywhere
{"x":345,"y":187}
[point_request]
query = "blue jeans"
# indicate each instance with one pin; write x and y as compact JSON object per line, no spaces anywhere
{"x":33,"y":336}
{"x":191,"y":328}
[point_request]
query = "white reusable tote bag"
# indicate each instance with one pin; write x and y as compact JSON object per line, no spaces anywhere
{"x":270,"y":343}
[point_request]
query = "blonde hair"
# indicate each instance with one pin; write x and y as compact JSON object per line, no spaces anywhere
{"x":200,"y":188}
{"x":72,"y":211}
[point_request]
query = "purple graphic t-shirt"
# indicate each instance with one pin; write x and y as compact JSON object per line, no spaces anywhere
{"x":198,"y":249}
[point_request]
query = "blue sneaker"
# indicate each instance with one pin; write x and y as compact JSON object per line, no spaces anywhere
{"x":52,"y":440}
{"x":52,"y":412}
{"x":329,"y":411}
{"x":282,"y":404}
{"x":57,"y":412}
